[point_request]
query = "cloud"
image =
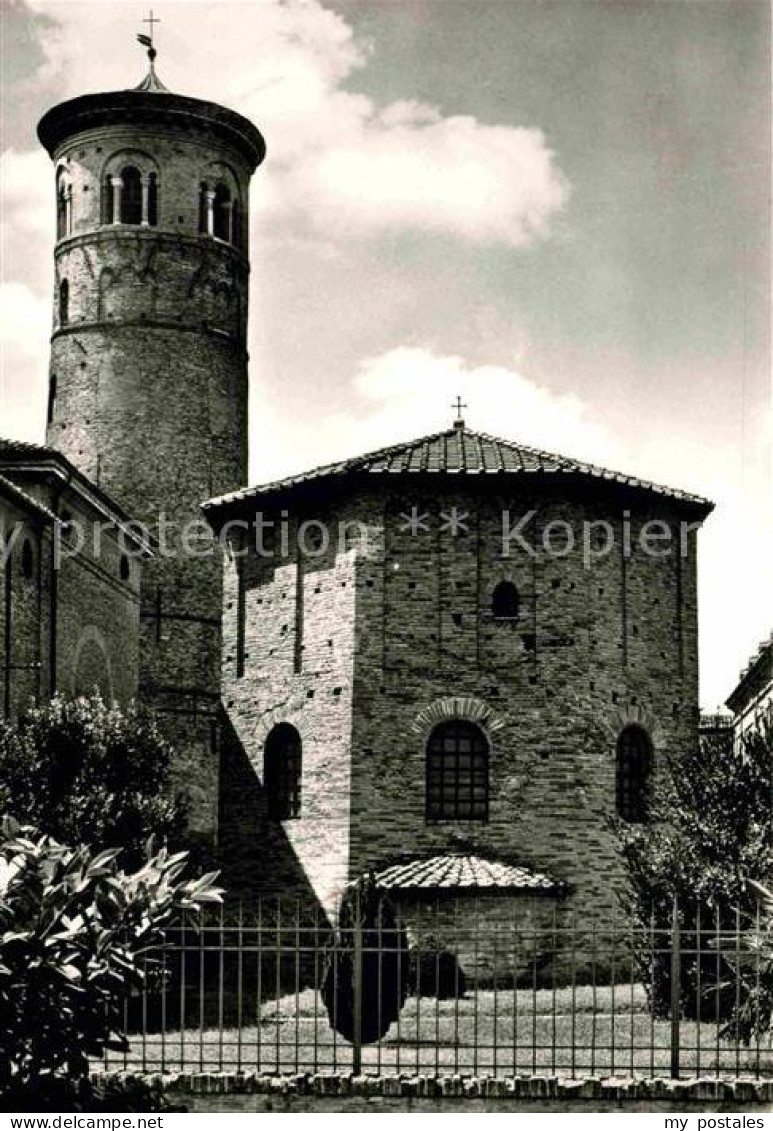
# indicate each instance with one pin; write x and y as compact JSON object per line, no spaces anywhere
{"x":428,"y":173}
{"x":408,"y":392}
{"x":338,"y":163}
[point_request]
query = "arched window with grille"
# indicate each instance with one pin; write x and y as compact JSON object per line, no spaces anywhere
{"x":64,"y":302}
{"x":221,"y":213}
{"x":634,"y":768}
{"x":282,"y":772}
{"x":457,"y":773}
{"x":131,"y":195}
{"x":504,"y":601}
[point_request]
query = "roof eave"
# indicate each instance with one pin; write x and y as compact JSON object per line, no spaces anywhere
{"x":237,"y":501}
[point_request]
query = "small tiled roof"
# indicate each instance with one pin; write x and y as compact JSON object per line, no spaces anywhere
{"x":8,"y":487}
{"x":758,"y":673}
{"x":20,"y":453}
{"x":452,"y":870}
{"x":459,"y":451}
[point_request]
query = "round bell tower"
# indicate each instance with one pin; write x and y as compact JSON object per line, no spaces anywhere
{"x":148,"y":376}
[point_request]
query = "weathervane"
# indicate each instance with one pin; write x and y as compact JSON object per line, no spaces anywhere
{"x":147,"y":40}
{"x":458,"y":404}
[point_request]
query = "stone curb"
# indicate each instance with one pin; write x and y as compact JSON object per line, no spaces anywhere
{"x":742,"y":1090}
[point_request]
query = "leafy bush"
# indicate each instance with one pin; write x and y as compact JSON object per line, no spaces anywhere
{"x":709,"y":833}
{"x":76,"y":937}
{"x":87,"y":773}
{"x":385,"y":963}
{"x":435,"y":972}
{"x":752,"y":967}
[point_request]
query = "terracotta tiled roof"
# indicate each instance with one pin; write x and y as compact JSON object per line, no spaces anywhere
{"x":459,"y":451}
{"x":462,"y":870}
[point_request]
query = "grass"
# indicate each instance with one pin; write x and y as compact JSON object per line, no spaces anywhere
{"x":568,"y":1032}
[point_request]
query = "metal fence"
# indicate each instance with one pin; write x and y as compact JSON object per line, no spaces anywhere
{"x":444,"y":988}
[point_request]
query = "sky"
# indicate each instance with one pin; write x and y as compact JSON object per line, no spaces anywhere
{"x":558,"y":209}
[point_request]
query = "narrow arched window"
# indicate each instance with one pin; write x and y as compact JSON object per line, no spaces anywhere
{"x":236,"y":224}
{"x":282,"y":772}
{"x":457,"y":773}
{"x":108,"y":200}
{"x":64,"y":302}
{"x":203,"y":190}
{"x":62,"y":209}
{"x":27,"y":560}
{"x":152,"y":200}
{"x":51,"y":413}
{"x":634,"y":767}
{"x":221,"y":213}
{"x":131,"y":195}
{"x":504,"y":601}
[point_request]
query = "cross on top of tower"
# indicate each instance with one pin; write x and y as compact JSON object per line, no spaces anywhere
{"x":458,"y":404}
{"x":151,"y":19}
{"x":151,"y":82}
{"x":147,"y":40}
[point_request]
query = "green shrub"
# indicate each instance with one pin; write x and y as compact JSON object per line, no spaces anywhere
{"x":385,"y":964}
{"x":435,"y":971}
{"x":88,"y":773}
{"x":77,"y":935}
{"x":752,"y":968}
{"x":709,"y":834}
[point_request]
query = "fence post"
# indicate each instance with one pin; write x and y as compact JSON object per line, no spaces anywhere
{"x":676,"y":988}
{"x":357,"y":1042}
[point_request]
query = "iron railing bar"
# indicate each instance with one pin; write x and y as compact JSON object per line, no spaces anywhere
{"x":573,"y":960}
{"x":757,"y":986}
{"x":297,"y":979}
{"x":201,"y":990}
{"x":595,"y":1000}
{"x":221,"y":990}
{"x":456,"y":986}
{"x":259,"y":986}
{"x":534,"y":998}
{"x":553,"y":965}
{"x":737,"y":987}
{"x":278,"y":986}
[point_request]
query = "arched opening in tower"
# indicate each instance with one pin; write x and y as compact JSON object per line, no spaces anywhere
{"x":131,"y":195}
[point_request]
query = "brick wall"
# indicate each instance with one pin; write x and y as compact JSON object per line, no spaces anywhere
{"x":149,"y":369}
{"x":25,"y":608}
{"x":70,"y":615}
{"x":298,"y":642}
{"x":593,"y":649}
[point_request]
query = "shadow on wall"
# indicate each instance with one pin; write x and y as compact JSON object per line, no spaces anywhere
{"x":254,"y":854}
{"x":269,"y":939}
